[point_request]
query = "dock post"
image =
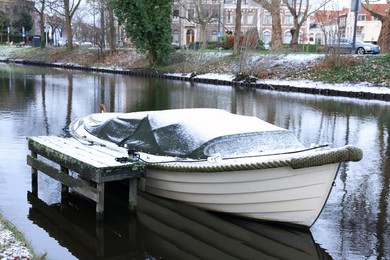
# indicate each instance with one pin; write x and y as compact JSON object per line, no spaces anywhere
{"x":34,"y":177}
{"x":64,"y":188}
{"x":132,"y":195}
{"x":100,"y":202}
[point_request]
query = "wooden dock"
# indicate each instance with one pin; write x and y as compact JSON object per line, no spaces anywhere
{"x":95,"y":165}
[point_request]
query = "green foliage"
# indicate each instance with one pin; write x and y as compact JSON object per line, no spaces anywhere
{"x":148,"y":23}
{"x":21,"y":17}
{"x":25,"y":20}
{"x":212,"y":45}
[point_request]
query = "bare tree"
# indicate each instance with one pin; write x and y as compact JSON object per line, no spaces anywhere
{"x":111,"y":24}
{"x":67,"y":10}
{"x":102,"y":38}
{"x":40,"y":7}
{"x":70,"y":7}
{"x":300,"y":11}
{"x":202,"y":13}
{"x":273,"y":6}
{"x":237,"y":29}
{"x":382,"y":15}
{"x":325,"y":20}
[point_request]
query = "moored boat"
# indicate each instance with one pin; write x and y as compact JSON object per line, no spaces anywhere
{"x":222,"y":162}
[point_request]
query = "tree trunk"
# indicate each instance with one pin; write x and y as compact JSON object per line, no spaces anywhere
{"x":276,"y":36}
{"x":112,"y":29}
{"x":68,"y":25}
{"x":384,"y":36}
{"x":237,"y":29}
{"x":102,"y":26}
{"x":295,"y":37}
{"x":42,"y":26}
{"x":152,"y":57}
{"x":203,"y":35}
{"x":41,"y":14}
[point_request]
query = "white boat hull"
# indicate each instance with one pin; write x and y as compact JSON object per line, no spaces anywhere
{"x":277,"y":194}
{"x":249,"y":168}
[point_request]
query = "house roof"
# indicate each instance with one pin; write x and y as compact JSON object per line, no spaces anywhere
{"x":377,"y":8}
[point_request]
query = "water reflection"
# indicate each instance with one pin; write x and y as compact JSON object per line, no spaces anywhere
{"x":355,"y":222}
{"x":164,"y":229}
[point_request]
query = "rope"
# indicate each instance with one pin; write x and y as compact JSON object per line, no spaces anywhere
{"x":338,"y":155}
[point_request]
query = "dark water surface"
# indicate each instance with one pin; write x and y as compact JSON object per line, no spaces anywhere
{"x":41,"y":101}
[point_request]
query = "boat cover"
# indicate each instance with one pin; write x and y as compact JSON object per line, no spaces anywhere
{"x":192,"y":133}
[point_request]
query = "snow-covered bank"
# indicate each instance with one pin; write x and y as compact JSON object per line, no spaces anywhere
{"x":10,"y":247}
{"x":351,"y":87}
{"x":363,"y":90}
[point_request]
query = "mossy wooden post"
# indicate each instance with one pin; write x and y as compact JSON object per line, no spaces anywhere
{"x":64,"y":188}
{"x":133,"y":195}
{"x":34,"y":176}
{"x":100,"y":201}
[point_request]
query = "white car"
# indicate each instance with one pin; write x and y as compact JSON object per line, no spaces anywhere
{"x":345,"y":46}
{"x":86,"y":44}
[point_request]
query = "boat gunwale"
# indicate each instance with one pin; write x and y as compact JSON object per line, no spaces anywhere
{"x":335,"y":155}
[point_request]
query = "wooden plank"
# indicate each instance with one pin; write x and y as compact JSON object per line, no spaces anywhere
{"x":77,"y":185}
{"x":94,"y":155}
{"x":92,"y":162}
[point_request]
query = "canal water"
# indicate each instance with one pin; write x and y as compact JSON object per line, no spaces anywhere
{"x":355,"y":223}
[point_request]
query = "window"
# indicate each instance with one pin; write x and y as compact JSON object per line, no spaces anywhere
{"x":311,"y":38}
{"x":288,"y":18}
{"x":267,"y":17}
{"x":343,"y":21}
{"x":250,"y":17}
{"x":191,"y":14}
{"x":361,"y":17}
{"x":229,"y":19}
{"x":266,"y":37}
{"x":175,"y":36}
{"x":214,"y":36}
{"x":215,"y":14}
{"x":287,"y":37}
{"x":175,"y":18}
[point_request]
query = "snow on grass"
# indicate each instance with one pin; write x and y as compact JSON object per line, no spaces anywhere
{"x":10,"y":246}
{"x":291,"y":61}
{"x":350,"y":87}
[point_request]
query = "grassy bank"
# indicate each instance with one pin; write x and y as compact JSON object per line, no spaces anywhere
{"x":13,"y":245}
{"x":337,"y":69}
{"x":264,"y":65}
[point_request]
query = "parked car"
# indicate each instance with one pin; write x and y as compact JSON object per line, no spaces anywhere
{"x":345,"y":46}
{"x":74,"y":43}
{"x":176,"y":45}
{"x":86,"y":44}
